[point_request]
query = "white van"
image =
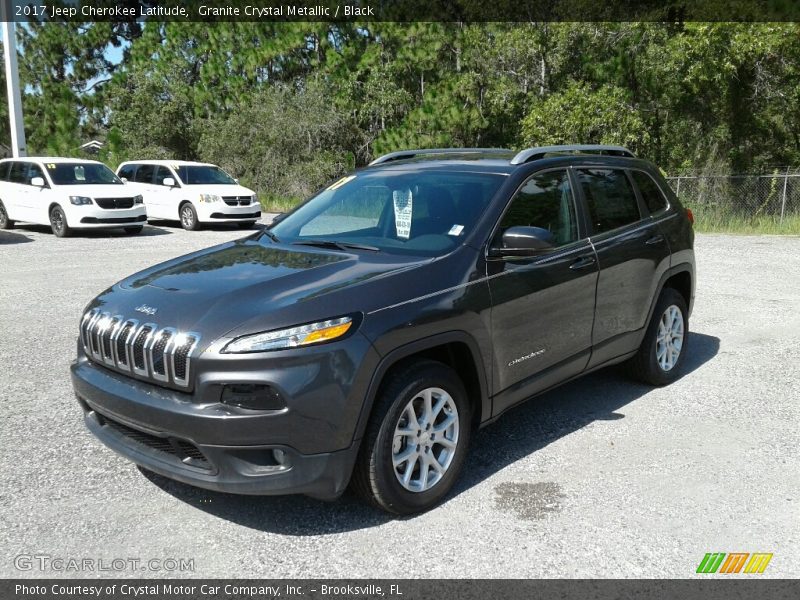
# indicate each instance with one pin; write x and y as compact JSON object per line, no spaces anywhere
{"x":191,"y":192}
{"x":67,"y":194}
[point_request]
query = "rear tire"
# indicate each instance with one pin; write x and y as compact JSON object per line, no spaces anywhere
{"x":663,"y":350}
{"x":5,"y":222}
{"x":58,"y":222}
{"x":402,"y":466}
{"x":188,"y":217}
{"x":136,"y":229}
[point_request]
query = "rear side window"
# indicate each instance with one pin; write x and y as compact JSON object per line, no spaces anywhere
{"x":545,"y":201}
{"x":4,"y":171}
{"x":610,"y":198}
{"x":17,"y":173}
{"x":127,"y":172}
{"x":651,"y":194}
{"x":144,"y":174}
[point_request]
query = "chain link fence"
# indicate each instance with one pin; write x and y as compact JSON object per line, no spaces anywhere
{"x":734,"y":202}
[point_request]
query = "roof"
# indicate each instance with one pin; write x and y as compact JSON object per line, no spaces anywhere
{"x":53,"y":159}
{"x":169,"y":163}
{"x":498,"y":160}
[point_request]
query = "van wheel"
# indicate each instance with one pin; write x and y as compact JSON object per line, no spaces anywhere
{"x":189,"y":217}
{"x":663,"y":350}
{"x":134,"y":229}
{"x":5,"y":222}
{"x":58,"y":222}
{"x":416,"y":439}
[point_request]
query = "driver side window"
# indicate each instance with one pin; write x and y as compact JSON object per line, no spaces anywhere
{"x":545,"y":201}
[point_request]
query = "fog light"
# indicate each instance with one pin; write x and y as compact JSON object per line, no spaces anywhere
{"x":252,"y":396}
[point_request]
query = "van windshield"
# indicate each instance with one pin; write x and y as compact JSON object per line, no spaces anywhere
{"x":424,"y":213}
{"x":81,"y":174}
{"x":204,"y":175}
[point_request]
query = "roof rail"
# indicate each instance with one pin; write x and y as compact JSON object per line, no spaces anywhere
{"x":403,"y":154}
{"x":537,"y":153}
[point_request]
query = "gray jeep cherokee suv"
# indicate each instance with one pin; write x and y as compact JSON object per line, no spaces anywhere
{"x":364,"y":336}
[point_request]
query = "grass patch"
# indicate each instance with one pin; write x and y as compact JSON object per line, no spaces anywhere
{"x":715,"y":222}
{"x":276,"y":204}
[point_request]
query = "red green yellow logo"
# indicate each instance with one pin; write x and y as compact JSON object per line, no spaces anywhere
{"x":734,"y":562}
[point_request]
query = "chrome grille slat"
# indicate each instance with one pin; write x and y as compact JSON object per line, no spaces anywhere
{"x":145,"y":350}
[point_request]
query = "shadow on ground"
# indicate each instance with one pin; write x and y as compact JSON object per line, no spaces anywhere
{"x":9,"y":238}
{"x":519,"y":433}
{"x":149,"y":230}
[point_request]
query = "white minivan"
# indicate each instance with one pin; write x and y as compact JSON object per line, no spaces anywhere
{"x":191,"y":192}
{"x":67,"y":194}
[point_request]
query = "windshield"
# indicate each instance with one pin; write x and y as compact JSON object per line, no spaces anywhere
{"x":204,"y":174}
{"x":81,"y":174}
{"x":409,"y":212}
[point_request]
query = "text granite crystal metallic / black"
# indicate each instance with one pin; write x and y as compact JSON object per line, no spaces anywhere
{"x":364,"y":336}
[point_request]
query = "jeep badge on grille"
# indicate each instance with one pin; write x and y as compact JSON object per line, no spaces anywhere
{"x":148,"y":310}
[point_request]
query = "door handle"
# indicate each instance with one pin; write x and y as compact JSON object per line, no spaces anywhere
{"x":656,"y":239}
{"x":583,"y":262}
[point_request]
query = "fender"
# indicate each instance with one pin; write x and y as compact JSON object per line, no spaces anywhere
{"x":398,"y":354}
{"x":674,"y":270}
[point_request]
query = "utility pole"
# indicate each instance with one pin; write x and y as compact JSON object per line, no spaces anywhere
{"x":18,"y":147}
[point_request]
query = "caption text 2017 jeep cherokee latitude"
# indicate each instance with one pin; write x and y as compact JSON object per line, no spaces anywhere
{"x":369,"y":332}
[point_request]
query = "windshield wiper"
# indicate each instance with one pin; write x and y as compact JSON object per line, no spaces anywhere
{"x":335,"y":244}
{"x":270,"y":235}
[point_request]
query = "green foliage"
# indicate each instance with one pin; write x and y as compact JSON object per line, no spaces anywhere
{"x":288,"y":106}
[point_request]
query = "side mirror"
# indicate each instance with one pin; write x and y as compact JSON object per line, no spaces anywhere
{"x":524,"y":241}
{"x":168,"y":181}
{"x":38,"y":182}
{"x":123,"y":179}
{"x":236,"y":180}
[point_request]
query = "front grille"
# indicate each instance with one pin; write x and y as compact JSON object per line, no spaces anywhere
{"x":184,"y":451}
{"x":112,"y":203}
{"x":237,"y":200}
{"x":143,"y":349}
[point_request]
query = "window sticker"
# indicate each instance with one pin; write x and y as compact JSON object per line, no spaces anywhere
{"x":337,"y":184}
{"x":402,"y":212}
{"x":51,"y":166}
{"x":456,"y":230}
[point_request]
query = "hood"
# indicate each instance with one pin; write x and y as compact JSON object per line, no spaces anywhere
{"x":249,"y":285}
{"x":220,"y":189}
{"x":97,"y":191}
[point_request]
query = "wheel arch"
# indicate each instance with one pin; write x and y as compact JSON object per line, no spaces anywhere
{"x":456,"y":349}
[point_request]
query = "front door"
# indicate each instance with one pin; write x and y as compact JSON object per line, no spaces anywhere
{"x":542,"y":306}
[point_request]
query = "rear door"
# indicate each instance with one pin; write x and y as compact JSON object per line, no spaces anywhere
{"x":542,"y":306}
{"x":631,"y":252}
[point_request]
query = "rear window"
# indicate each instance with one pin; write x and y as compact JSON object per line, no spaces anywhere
{"x":144,"y":174}
{"x":651,"y":194}
{"x":610,"y":197}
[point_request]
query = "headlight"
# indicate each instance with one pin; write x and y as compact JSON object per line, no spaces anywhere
{"x":210,"y":198}
{"x":303,"y":335}
{"x":138,"y":199}
{"x":253,"y":199}
{"x":80,"y":200}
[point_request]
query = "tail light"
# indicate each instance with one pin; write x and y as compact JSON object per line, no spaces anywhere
{"x":690,"y":216}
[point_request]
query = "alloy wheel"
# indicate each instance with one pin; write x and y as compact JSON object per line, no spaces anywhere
{"x":425,"y":439}
{"x":187,"y":217}
{"x":669,"y":340}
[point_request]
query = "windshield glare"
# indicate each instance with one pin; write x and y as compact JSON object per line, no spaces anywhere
{"x":204,"y":174}
{"x":81,"y":174}
{"x":408,"y":212}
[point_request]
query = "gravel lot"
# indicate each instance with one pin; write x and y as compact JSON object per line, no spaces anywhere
{"x":601,"y":478}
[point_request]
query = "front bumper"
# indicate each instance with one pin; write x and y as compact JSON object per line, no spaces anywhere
{"x":196,"y":439}
{"x":220,"y":212}
{"x":94,"y":217}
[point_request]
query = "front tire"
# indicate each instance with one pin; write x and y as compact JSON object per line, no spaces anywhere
{"x":188,"y":217}
{"x":5,"y":222}
{"x":416,"y":440}
{"x":134,"y":230}
{"x":663,"y":350}
{"x":58,"y":222}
